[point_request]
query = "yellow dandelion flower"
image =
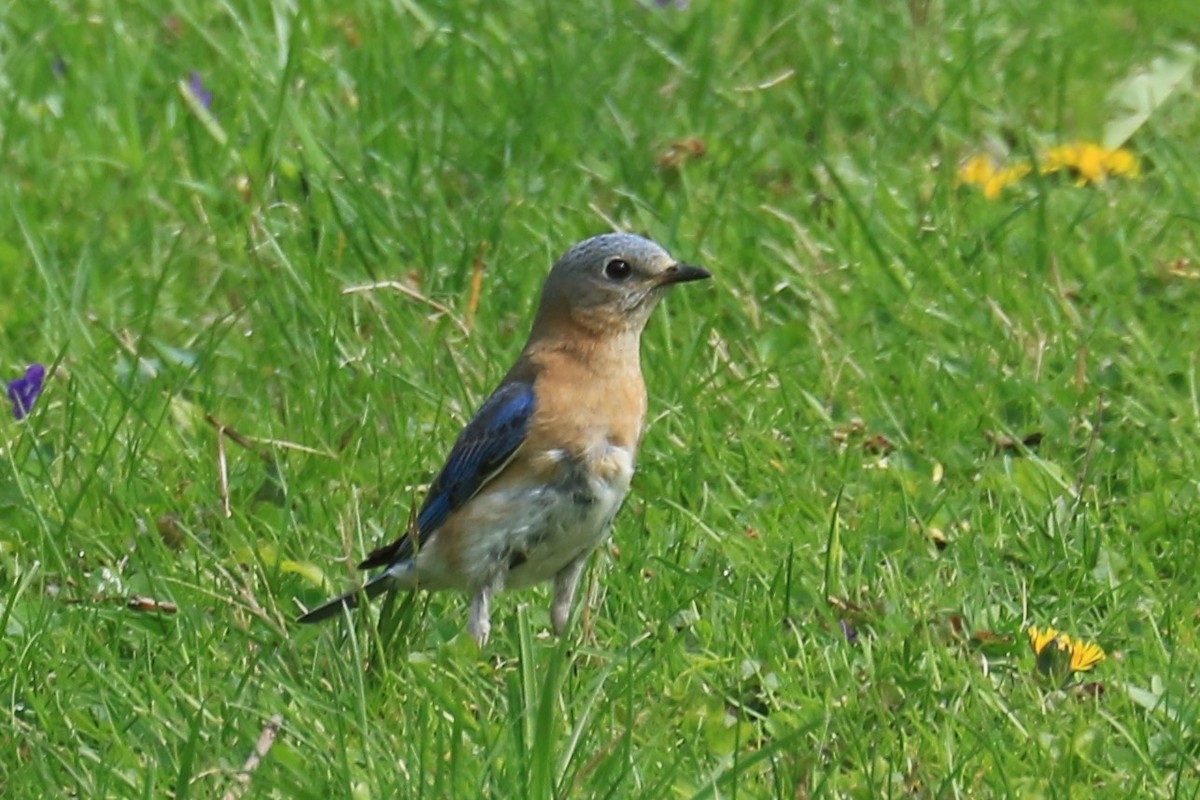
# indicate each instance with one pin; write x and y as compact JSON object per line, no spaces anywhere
{"x":977,"y":170}
{"x":1038,"y":638}
{"x":1090,"y":167}
{"x":1064,"y":156}
{"x":1121,"y":163}
{"x":1050,"y":647}
{"x":1059,"y":654}
{"x":1003,"y":178}
{"x":980,"y":170}
{"x":1085,"y":655}
{"x":1089,"y":162}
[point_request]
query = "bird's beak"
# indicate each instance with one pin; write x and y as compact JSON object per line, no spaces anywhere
{"x":682,"y":273}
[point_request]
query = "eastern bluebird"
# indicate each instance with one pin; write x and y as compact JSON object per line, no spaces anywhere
{"x":532,"y":485}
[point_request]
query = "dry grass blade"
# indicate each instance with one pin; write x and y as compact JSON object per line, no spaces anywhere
{"x":411,"y":293}
{"x":266,"y":740}
{"x":223,"y":472}
{"x":476,"y":285}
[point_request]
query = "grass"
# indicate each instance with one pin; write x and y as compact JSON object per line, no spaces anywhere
{"x":824,"y":415}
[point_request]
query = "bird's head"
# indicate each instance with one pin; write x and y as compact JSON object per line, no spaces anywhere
{"x":610,"y":283}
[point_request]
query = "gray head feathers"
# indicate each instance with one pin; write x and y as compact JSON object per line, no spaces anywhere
{"x":610,"y":283}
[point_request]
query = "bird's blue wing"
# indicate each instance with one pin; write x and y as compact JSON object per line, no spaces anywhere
{"x":482,"y":450}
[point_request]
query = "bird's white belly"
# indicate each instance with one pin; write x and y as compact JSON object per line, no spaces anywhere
{"x":526,"y":534}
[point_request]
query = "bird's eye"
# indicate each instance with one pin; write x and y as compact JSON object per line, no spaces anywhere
{"x":617,"y":269}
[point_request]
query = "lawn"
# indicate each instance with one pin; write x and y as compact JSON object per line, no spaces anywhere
{"x":945,"y":387}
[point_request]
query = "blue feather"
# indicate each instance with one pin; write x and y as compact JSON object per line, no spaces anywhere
{"x":484,"y":446}
{"x":482,"y":450}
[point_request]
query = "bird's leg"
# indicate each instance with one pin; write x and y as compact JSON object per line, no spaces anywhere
{"x":565,"y":584}
{"x":479,"y":619}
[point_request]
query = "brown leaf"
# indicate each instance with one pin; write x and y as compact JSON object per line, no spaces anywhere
{"x":879,"y":445}
{"x":681,"y":151}
{"x":984,"y":638}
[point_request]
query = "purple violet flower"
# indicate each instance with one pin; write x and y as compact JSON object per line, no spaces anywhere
{"x":23,"y":392}
{"x":848,"y":631}
{"x":196,"y":86}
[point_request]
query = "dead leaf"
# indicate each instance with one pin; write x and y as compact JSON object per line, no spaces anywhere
{"x":681,"y":151}
{"x":879,"y":445}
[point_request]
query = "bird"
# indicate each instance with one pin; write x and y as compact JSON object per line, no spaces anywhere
{"x":533,"y":482}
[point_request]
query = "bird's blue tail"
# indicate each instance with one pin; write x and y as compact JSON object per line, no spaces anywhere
{"x":332,"y":608}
